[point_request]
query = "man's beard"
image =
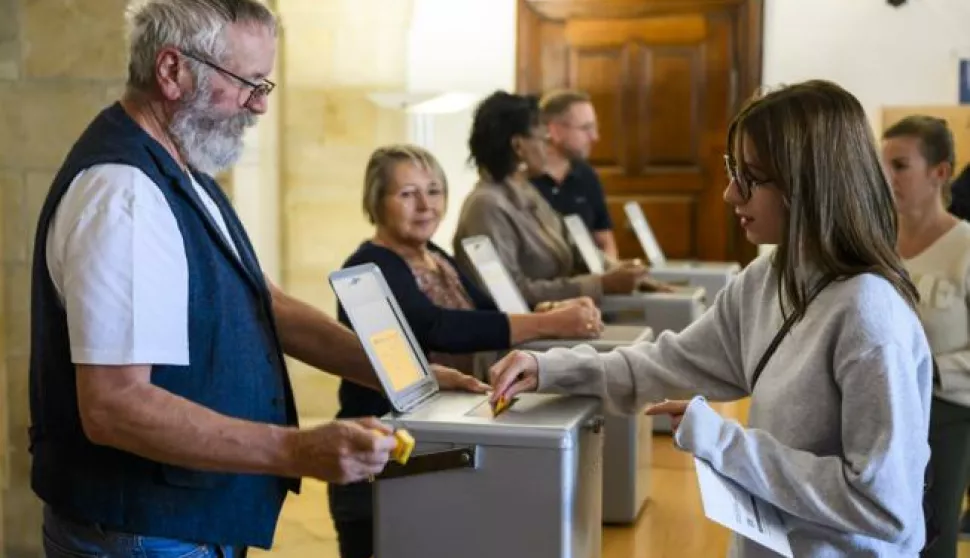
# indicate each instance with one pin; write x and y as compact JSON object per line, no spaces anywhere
{"x":208,"y":141}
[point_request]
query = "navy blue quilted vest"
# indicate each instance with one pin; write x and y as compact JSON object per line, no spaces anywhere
{"x":236,"y":368}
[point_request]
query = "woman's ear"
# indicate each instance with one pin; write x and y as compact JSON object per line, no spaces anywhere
{"x":942,"y":172}
{"x":517,"y":148}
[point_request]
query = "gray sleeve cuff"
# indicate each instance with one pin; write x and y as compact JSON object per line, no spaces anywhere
{"x":699,"y":430}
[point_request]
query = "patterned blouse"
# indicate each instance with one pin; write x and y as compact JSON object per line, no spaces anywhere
{"x":440,"y":283}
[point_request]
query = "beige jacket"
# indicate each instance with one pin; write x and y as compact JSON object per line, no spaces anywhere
{"x":529,"y":237}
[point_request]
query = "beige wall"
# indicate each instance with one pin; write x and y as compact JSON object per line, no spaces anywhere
{"x":4,"y":453}
{"x":59,"y":64}
{"x":334,"y":53}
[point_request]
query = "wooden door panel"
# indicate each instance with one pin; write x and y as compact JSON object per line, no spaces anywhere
{"x":554,"y":54}
{"x":679,"y":29}
{"x":626,"y":187}
{"x":665,"y":76}
{"x":669,"y":92}
{"x":604,"y":74}
{"x":718,"y":231}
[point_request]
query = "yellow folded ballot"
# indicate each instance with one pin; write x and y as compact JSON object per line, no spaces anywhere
{"x":501,"y":405}
{"x":405,"y":445}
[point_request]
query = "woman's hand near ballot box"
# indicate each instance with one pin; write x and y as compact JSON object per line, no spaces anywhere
{"x":623,"y":278}
{"x":450,"y":379}
{"x":519,"y":372}
{"x":628,"y":276}
{"x":516,"y":373}
{"x":574,"y":318}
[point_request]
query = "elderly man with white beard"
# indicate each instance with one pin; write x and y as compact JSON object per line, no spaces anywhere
{"x":162,"y":417}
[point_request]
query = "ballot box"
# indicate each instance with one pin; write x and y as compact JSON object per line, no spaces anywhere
{"x":661,"y":311}
{"x":627,"y":445}
{"x":712,"y":276}
{"x":527,"y":482}
{"x":612,"y":336}
{"x":658,"y":311}
{"x":626,"y":488}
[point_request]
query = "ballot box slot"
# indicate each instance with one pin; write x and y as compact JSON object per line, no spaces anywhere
{"x":466,"y":457}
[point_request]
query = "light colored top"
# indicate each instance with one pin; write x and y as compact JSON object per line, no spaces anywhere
{"x":839,"y":419}
{"x":117,"y":260}
{"x":942,"y":275}
{"x":530,"y":239}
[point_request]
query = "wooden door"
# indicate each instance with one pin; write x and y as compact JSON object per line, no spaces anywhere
{"x":665,"y":77}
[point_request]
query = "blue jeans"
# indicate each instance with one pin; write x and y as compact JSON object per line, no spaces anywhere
{"x":64,"y":538}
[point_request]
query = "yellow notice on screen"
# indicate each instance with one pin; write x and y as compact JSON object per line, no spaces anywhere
{"x":395,"y":357}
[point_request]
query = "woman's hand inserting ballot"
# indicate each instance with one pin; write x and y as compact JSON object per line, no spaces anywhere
{"x":516,"y":373}
{"x":450,"y":379}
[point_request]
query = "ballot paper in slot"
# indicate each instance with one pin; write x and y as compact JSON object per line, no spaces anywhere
{"x":732,"y":506}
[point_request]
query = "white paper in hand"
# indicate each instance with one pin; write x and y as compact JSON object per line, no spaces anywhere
{"x":735,"y":508}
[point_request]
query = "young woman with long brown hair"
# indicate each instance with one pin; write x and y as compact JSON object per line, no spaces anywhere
{"x":837,"y":438}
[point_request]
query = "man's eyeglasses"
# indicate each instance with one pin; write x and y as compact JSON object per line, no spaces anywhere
{"x":745,"y":184}
{"x":259,"y":90}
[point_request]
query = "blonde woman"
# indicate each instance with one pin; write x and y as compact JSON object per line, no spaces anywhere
{"x":405,"y":195}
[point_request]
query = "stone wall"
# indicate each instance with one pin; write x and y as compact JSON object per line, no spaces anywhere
{"x":60,"y":63}
{"x":334,"y":54}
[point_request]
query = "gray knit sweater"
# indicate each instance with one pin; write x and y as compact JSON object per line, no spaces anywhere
{"x":837,"y":438}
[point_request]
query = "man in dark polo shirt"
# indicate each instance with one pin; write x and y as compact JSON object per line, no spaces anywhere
{"x":570,"y":184}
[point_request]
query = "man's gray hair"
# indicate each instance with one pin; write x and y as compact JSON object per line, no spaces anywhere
{"x":194,"y":26}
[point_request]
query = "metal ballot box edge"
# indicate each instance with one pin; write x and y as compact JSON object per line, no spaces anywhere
{"x":534,"y":489}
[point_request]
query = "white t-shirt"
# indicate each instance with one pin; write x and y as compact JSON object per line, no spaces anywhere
{"x":941,"y":272}
{"x":118,"y":263}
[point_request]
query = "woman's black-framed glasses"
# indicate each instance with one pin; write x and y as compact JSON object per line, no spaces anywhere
{"x":745,"y":184}
{"x":259,"y":90}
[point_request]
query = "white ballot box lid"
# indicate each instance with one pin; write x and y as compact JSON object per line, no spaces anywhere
{"x":494,"y":275}
{"x":584,"y":243}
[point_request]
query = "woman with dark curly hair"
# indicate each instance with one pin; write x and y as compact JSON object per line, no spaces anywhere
{"x":507,"y":140}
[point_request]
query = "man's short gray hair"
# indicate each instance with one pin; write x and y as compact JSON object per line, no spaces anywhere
{"x":195,"y":26}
